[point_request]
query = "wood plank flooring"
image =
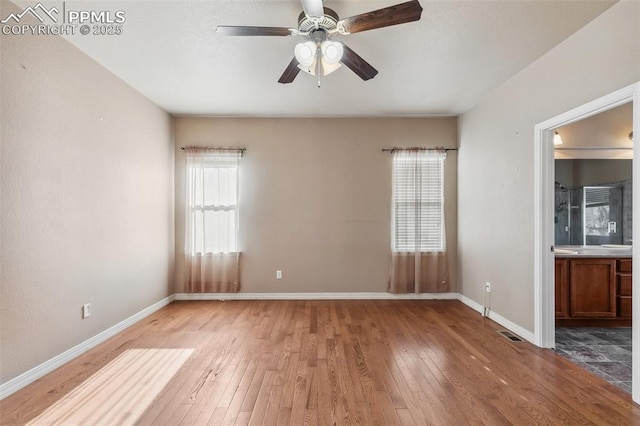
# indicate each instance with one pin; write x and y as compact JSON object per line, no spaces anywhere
{"x":342,"y":362}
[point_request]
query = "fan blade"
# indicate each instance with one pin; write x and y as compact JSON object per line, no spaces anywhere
{"x":313,"y":8}
{"x":290,"y":72}
{"x":358,"y":65}
{"x":253,"y":31}
{"x":385,"y":17}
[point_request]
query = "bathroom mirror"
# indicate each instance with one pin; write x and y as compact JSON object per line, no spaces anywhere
{"x":593,"y":175}
{"x":593,"y":202}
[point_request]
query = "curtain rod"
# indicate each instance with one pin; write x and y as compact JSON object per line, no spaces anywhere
{"x":596,"y":148}
{"x":418,"y":148}
{"x":242,"y":150}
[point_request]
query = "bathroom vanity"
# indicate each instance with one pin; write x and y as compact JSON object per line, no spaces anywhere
{"x":593,"y":286}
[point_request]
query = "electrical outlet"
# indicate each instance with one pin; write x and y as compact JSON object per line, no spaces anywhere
{"x":487,"y":287}
{"x":86,"y":310}
{"x":278,"y":274}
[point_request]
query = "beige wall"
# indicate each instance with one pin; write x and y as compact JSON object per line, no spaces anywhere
{"x":86,"y":180}
{"x":315,"y":197}
{"x":496,"y":170}
{"x":570,"y":173}
{"x":608,"y":129}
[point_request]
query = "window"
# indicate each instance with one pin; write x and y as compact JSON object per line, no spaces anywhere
{"x":597,"y":206}
{"x":212,"y":202}
{"x":418,"y":206}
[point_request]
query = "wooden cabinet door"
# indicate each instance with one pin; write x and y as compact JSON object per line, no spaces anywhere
{"x":562,"y":293}
{"x":592,"y":288}
{"x":624,"y":288}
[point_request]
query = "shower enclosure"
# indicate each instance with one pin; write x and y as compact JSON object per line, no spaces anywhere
{"x":593,"y":215}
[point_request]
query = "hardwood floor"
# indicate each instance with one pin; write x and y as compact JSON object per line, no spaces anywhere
{"x":342,"y":362}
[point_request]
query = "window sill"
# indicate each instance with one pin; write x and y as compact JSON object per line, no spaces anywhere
{"x":421,"y":252}
{"x":234,"y":253}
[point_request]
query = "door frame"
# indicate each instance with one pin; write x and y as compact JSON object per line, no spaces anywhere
{"x":544,"y":176}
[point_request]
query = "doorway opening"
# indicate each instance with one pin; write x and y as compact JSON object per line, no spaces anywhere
{"x":593,"y":244}
{"x":544,"y":201}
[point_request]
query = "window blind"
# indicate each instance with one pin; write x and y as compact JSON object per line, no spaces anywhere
{"x":418,"y":201}
{"x":596,"y":195}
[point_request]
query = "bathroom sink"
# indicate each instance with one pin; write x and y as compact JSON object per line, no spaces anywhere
{"x":564,"y":251}
{"x":606,"y":250}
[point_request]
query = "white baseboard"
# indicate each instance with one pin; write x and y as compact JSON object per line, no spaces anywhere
{"x":470,"y":303}
{"x":509,"y":325}
{"x":316,"y":296}
{"x":46,"y":367}
{"x":41,"y":370}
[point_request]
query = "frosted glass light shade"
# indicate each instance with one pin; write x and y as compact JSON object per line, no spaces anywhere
{"x":305,"y":53}
{"x":557,"y":140}
{"x":332,"y":52}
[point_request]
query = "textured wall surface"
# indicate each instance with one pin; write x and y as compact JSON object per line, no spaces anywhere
{"x":86,"y":181}
{"x":496,"y":158}
{"x":315,"y":197}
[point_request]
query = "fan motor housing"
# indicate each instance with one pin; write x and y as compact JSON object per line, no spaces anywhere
{"x":328,"y":22}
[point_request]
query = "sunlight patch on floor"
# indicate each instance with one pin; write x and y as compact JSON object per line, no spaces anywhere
{"x":120,"y":392}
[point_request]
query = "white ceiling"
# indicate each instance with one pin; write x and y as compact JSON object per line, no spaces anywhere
{"x":443,"y":64}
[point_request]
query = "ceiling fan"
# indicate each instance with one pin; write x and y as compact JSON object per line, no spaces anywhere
{"x":318,"y":55}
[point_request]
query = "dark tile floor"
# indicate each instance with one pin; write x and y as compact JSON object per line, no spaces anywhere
{"x":606,"y":352}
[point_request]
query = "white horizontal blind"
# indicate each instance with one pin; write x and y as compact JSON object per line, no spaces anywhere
{"x":596,"y":195}
{"x":212,"y":201}
{"x":418,"y":201}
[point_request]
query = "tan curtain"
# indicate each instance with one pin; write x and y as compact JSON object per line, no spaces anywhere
{"x":418,"y":255}
{"x":213,"y":273}
{"x":212,"y":255}
{"x":419,"y":273}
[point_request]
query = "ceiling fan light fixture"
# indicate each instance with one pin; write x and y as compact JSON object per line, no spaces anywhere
{"x":311,"y":68}
{"x":316,"y":23}
{"x":332,"y":52}
{"x":328,"y":68}
{"x":305,"y":53}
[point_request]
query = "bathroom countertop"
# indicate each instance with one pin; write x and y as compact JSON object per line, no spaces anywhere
{"x":594,"y":251}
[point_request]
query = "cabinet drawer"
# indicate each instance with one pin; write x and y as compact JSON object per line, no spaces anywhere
{"x":624,"y":282}
{"x":624,"y":307}
{"x":624,"y":265}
